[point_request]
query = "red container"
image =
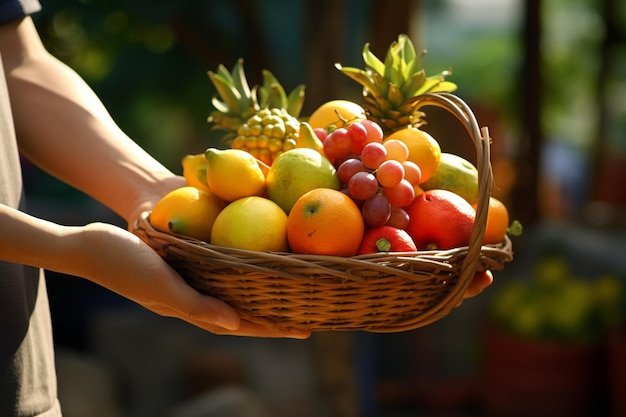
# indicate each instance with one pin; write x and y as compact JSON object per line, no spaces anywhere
{"x":616,"y":371}
{"x":538,"y":378}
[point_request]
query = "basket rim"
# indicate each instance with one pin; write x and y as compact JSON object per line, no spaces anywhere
{"x":493,"y":256}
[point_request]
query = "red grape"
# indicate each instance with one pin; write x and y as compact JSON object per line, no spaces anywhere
{"x":348,"y":168}
{"x":321,"y":133}
{"x":396,"y":150}
{"x":401,"y":195}
{"x":390,"y":173}
{"x":363,"y":185}
{"x":337,"y":144}
{"x":376,"y":210}
{"x":373,"y":154}
{"x":412,"y":172}
{"x":374,"y":131}
{"x":399,"y":218}
{"x":357,"y":132}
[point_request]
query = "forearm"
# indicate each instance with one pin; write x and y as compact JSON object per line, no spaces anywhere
{"x":27,"y":240}
{"x":64,"y":128}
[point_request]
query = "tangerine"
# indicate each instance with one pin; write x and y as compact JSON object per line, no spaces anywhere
{"x":324,"y":221}
{"x":440,"y":219}
{"x":497,"y":221}
{"x":337,"y":113}
{"x":424,"y":150}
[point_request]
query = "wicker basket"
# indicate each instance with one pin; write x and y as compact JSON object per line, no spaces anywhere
{"x":376,"y":292}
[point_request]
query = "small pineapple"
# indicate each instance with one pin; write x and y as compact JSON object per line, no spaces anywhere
{"x":262,"y":120}
{"x":390,"y":87}
{"x":267,"y":134}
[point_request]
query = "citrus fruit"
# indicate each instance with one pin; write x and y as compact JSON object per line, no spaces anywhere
{"x":297,"y":171}
{"x":497,"y":221}
{"x":187,"y":211}
{"x":424,"y":150}
{"x":234,"y":173}
{"x":325,"y":221}
{"x":194,"y":171}
{"x":440,"y":219}
{"x":337,"y":113}
{"x":455,"y":174}
{"x":252,"y":223}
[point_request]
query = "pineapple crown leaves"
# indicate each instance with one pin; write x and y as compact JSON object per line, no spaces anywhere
{"x":234,"y":96}
{"x":400,"y":76}
{"x":272,"y":95}
{"x":235,"y":101}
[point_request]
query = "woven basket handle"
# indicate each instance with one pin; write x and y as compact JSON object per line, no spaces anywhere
{"x":482,"y":141}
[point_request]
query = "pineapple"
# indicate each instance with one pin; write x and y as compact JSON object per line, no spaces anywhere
{"x":390,"y":87}
{"x":262,"y":120}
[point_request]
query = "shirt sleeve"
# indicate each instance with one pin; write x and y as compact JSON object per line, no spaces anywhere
{"x":15,"y":9}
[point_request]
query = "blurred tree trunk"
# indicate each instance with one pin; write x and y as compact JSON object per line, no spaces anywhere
{"x":605,"y":164}
{"x":390,"y":19}
{"x":525,"y":193}
{"x":326,"y":41}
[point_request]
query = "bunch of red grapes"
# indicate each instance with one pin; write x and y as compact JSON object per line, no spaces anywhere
{"x":377,"y":175}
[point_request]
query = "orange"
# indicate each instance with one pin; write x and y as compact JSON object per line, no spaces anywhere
{"x":440,"y":219}
{"x":325,"y":222}
{"x":424,"y":150}
{"x":337,"y":113}
{"x":497,"y":221}
{"x":187,"y":211}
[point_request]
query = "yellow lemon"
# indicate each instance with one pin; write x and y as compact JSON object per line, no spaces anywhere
{"x":252,"y":223}
{"x":233,"y":174}
{"x":194,"y":171}
{"x":337,"y":113}
{"x":424,"y":150}
{"x":187,"y":211}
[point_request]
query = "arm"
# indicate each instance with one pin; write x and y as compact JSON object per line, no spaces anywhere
{"x":121,"y":262}
{"x":63,"y":127}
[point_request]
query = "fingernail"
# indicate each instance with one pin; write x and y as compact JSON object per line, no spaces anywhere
{"x":228,"y":321}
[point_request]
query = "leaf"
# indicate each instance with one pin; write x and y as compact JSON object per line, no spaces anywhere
{"x":226,"y":91}
{"x":295,"y":101}
{"x":372,"y":60}
{"x":515,"y":229}
{"x":360,"y":76}
{"x":239,"y":79}
{"x":437,"y":83}
{"x":407,"y":49}
{"x":219,"y":105}
{"x":274,"y":93}
{"x":413,"y":83}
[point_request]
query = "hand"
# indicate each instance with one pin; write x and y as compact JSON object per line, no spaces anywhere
{"x":481,"y":280}
{"x":123,"y":263}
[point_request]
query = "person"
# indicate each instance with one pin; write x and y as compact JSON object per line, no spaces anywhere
{"x":52,"y":117}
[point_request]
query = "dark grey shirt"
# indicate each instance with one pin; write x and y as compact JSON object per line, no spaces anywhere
{"x":27,"y":374}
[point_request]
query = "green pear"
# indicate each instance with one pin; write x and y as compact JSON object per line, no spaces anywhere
{"x":297,"y":171}
{"x":455,"y":174}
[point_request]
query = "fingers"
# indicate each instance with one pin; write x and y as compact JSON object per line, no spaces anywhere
{"x":218,"y":317}
{"x":250,"y":329}
{"x":481,"y":281}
